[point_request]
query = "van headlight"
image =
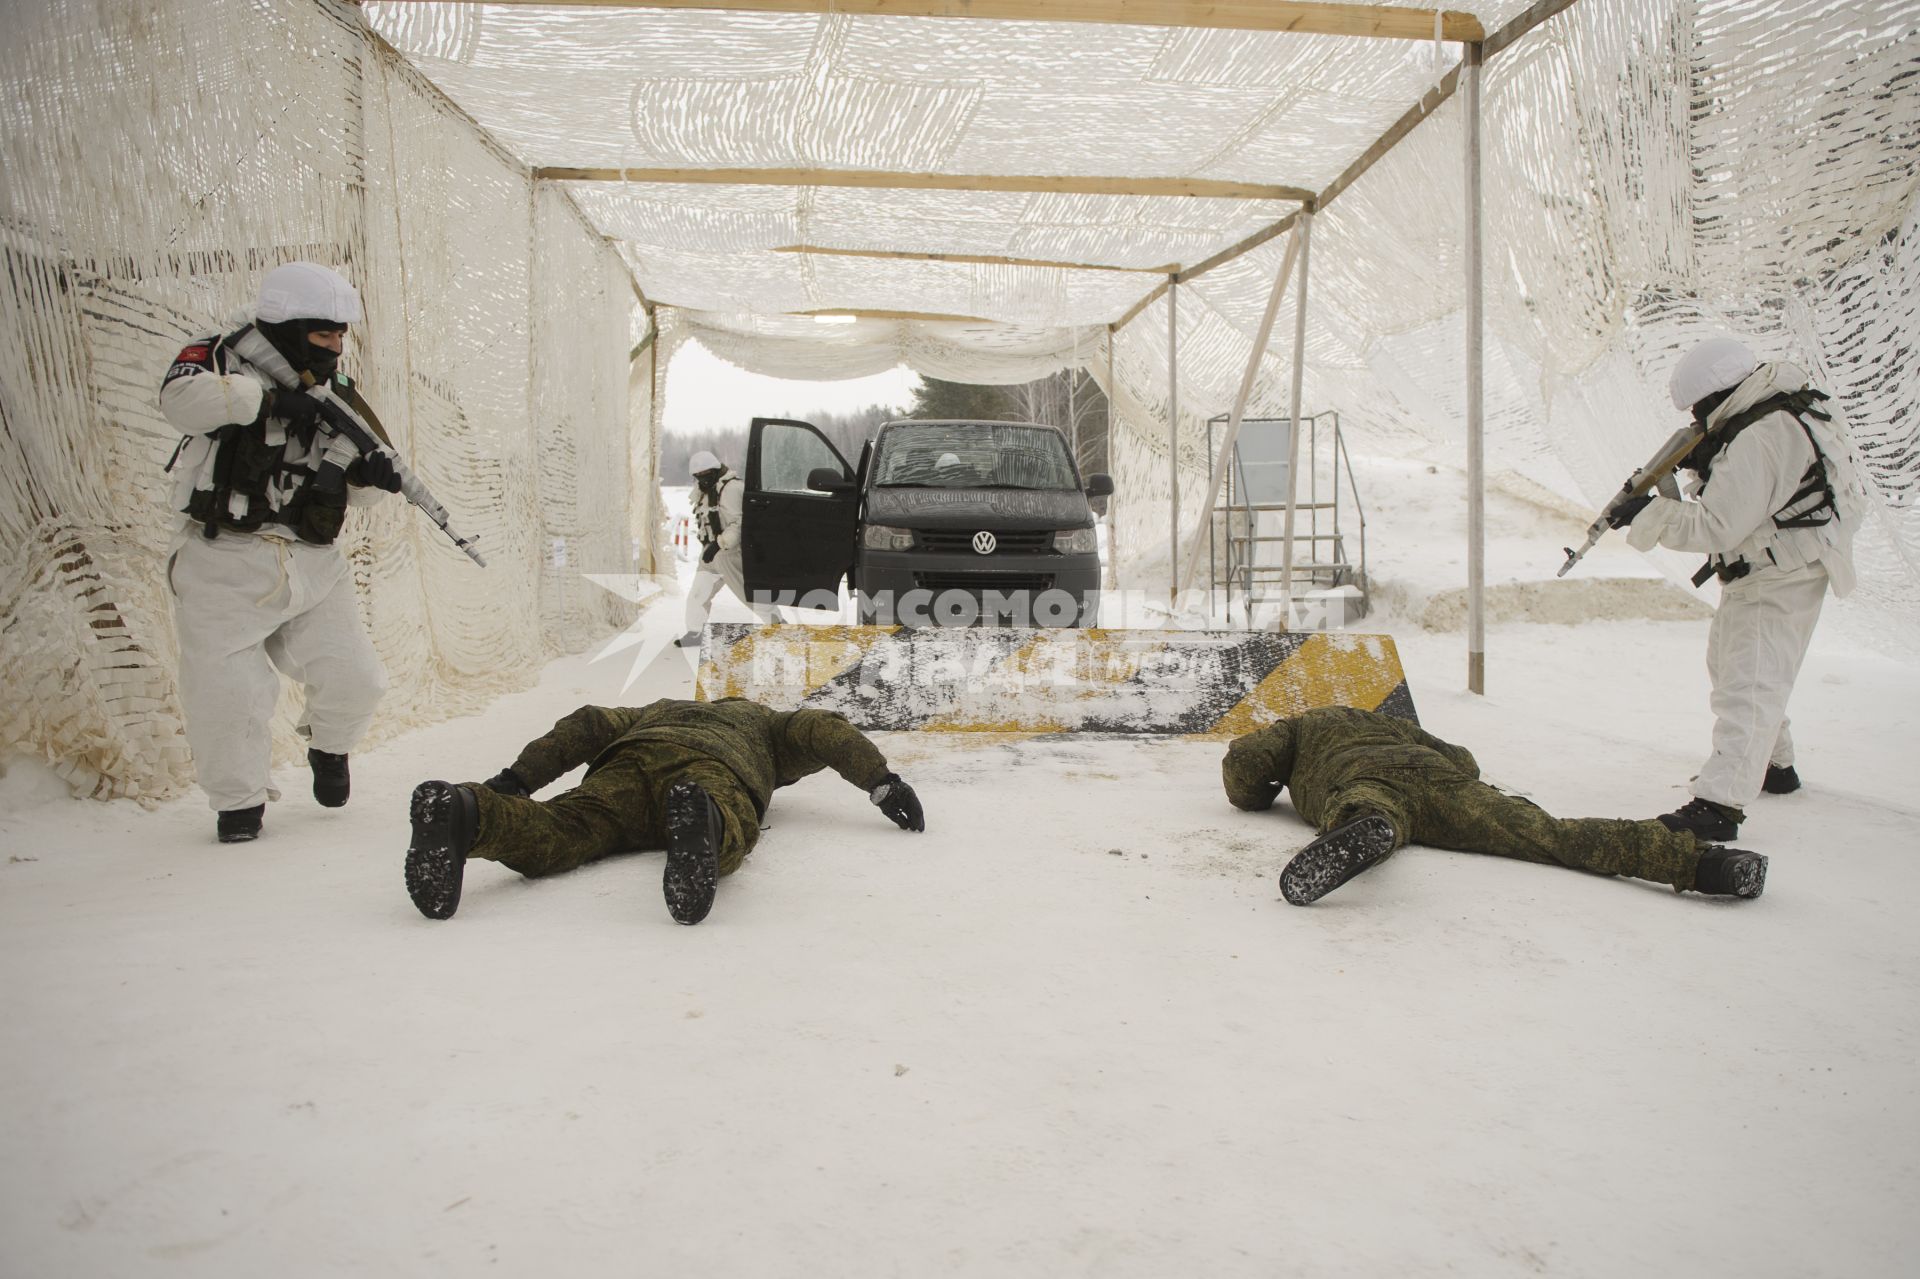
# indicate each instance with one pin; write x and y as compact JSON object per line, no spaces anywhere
{"x":1076,"y":541}
{"x":881,"y":537}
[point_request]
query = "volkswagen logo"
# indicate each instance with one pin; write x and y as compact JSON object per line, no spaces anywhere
{"x":984,"y":542}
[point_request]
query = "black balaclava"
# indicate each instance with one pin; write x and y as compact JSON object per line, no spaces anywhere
{"x":289,"y":337}
{"x":1700,"y":461}
{"x":708,"y":481}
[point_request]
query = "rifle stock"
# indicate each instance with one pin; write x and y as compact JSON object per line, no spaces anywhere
{"x":1665,"y":460}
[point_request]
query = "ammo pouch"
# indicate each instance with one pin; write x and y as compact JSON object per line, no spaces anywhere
{"x":246,"y":465}
{"x":1725,"y":572}
{"x":316,"y":513}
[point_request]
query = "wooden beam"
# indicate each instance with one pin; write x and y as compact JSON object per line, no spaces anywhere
{"x":980,"y":259}
{"x":1143,"y":303}
{"x":1303,"y":17}
{"x":1429,"y":103}
{"x":1198,"y":188}
{"x":898,"y":315}
{"x":1520,"y":24}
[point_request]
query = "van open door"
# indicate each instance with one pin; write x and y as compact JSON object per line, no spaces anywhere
{"x":796,"y":538}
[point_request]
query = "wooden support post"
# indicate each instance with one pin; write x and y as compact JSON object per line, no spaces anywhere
{"x":1476,"y":406}
{"x":1293,"y":425}
{"x":1173,"y":436}
{"x":1260,"y":340}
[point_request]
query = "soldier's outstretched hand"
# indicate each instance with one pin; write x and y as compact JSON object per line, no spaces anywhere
{"x":507,"y":782}
{"x":897,"y":800}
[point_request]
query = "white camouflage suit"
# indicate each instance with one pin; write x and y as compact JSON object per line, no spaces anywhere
{"x":727,"y":567}
{"x":1765,"y":620}
{"x":246,"y":604}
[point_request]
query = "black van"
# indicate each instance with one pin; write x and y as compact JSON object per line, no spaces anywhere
{"x":943,"y":523}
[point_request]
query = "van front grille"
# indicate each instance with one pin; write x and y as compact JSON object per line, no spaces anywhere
{"x":1025,"y":542}
{"x":975,"y":582}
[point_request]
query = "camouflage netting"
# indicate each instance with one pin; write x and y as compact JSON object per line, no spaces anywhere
{"x":156,"y":165}
{"x":1654,"y":170}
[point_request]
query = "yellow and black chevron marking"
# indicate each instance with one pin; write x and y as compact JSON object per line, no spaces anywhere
{"x":985,"y":679}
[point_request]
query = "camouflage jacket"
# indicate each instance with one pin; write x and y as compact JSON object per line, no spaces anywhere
{"x":764,"y":748}
{"x":1322,"y":752}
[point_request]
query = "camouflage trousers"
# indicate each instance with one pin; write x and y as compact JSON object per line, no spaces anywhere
{"x":620,"y":807}
{"x":1472,"y":817}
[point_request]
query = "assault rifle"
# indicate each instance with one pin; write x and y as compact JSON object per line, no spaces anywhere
{"x":1656,"y":474}
{"x":352,"y":439}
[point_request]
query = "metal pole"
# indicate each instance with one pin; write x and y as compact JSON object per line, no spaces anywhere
{"x":1293,"y":431}
{"x":1476,"y":406}
{"x":1113,"y":520}
{"x":1260,"y":339}
{"x":1073,"y":418}
{"x":1173,"y":435}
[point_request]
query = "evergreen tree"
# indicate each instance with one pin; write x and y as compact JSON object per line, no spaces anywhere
{"x":962,"y":401}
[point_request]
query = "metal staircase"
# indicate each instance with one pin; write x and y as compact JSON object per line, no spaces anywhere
{"x":1246,"y":541}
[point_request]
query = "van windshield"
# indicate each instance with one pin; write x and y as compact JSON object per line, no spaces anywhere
{"x":970,"y":455}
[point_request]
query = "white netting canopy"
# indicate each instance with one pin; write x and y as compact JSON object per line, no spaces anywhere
{"x":1653,"y":171}
{"x":495,"y":178}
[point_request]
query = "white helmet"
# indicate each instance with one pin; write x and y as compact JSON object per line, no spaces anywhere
{"x":307,"y":291}
{"x":1717,"y":364}
{"x":703,"y":461}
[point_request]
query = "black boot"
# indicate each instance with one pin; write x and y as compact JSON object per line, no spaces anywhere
{"x":238,"y":825}
{"x":445,"y":818}
{"x":1709,"y":822}
{"x":330,"y":781}
{"x":1336,"y":857}
{"x":1730,"y":872}
{"x":693,"y":853}
{"x":1781,"y":781}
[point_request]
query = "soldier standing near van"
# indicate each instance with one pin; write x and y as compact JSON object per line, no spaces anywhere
{"x":717,"y":508}
{"x":257,"y":582}
{"x":1777,"y":500}
{"x":694,"y":778}
{"x":1374,"y":783}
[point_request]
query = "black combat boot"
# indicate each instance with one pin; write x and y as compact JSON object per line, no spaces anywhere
{"x":238,"y":825}
{"x":1730,"y":872}
{"x":330,"y":781}
{"x":445,"y":818}
{"x":1336,"y":857}
{"x":693,"y":853}
{"x":1781,"y":781}
{"x":1709,"y":822}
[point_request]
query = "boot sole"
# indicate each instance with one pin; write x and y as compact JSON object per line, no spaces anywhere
{"x":1749,"y":876}
{"x":693,"y":859}
{"x":437,"y":857}
{"x":1335,"y":858}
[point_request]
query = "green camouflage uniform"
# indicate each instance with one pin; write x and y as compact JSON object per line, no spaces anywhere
{"x":1340,"y":764}
{"x":738,"y":750}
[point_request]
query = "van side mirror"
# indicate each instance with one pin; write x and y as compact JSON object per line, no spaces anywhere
{"x":1099,"y":485}
{"x":824,"y":479}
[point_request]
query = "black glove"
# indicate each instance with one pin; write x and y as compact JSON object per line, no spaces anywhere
{"x":1624,"y":513}
{"x":713,"y":549}
{"x":896,"y":799}
{"x":296,"y":408}
{"x":507,"y":782}
{"x":376,"y":471}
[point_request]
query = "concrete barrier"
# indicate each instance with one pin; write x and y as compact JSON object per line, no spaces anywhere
{"x":986,"y":679}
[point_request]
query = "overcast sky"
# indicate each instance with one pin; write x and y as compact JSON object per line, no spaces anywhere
{"x":704,"y":390}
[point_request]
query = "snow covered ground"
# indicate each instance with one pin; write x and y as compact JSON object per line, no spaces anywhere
{"x":1071,"y":1029}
